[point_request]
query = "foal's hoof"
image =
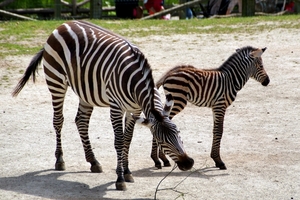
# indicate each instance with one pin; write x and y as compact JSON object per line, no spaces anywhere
{"x":128,"y":178}
{"x":121,"y":186}
{"x":60,"y":166}
{"x":96,"y":169}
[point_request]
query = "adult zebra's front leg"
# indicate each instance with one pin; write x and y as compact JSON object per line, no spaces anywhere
{"x":218,"y":115}
{"x":82,"y":121}
{"x":128,"y":133}
{"x":116,"y":116}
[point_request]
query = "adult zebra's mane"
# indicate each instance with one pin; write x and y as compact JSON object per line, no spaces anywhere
{"x":147,"y":69}
{"x":108,"y":32}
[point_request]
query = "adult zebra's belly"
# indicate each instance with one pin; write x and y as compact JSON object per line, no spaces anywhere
{"x":95,"y":96}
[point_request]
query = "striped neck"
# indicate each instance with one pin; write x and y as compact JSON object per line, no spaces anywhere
{"x":237,"y":68}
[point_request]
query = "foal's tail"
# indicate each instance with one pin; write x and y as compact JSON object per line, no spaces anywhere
{"x":31,"y":70}
{"x":161,"y":81}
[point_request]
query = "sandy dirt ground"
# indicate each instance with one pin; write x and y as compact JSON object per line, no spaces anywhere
{"x":260,"y":146}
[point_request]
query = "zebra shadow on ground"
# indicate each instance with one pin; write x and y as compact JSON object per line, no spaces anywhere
{"x":206,"y":172}
{"x":48,"y":184}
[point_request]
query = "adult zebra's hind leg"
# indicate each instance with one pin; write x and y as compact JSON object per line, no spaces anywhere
{"x":82,"y":121}
{"x":58,"y":96}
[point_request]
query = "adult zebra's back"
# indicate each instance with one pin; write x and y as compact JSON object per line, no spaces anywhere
{"x":104,"y":69}
{"x":215,"y":88}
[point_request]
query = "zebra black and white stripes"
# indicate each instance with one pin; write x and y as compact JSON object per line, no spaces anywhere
{"x":215,"y":88}
{"x":104,"y":69}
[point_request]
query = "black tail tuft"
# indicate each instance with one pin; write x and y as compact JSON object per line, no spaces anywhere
{"x":31,"y":70}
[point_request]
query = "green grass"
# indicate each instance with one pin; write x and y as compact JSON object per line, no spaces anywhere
{"x":27,"y":37}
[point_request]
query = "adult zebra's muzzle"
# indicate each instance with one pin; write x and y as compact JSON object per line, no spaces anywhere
{"x":266,"y":81}
{"x":185,"y":162}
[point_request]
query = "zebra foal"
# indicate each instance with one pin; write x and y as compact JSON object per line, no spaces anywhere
{"x":103,"y":69}
{"x":215,"y":88}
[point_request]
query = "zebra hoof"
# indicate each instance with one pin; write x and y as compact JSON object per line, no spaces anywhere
{"x":128,"y":178}
{"x":158,"y":165}
{"x":221,"y":166}
{"x":121,"y":186}
{"x":96,"y":169}
{"x":167,"y":164}
{"x":60,"y":166}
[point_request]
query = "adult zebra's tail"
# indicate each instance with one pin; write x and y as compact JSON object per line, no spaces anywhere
{"x":31,"y":70}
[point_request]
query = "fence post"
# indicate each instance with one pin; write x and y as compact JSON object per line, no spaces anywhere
{"x":74,"y":7}
{"x":95,"y":9}
{"x":182,"y":12}
{"x":248,"y":8}
{"x":57,"y":9}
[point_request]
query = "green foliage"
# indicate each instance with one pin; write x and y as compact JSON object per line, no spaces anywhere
{"x":30,"y":4}
{"x":27,"y":37}
{"x":50,"y":3}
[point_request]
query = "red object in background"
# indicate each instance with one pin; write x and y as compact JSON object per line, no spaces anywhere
{"x":290,"y":6}
{"x":153,"y":6}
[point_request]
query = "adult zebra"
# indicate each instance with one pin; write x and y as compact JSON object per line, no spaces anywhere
{"x":104,"y":69}
{"x":215,"y":88}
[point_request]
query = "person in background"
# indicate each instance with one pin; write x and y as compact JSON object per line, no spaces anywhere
{"x":214,"y":7}
{"x":188,"y":13}
{"x":154,"y":6}
{"x":232,"y":4}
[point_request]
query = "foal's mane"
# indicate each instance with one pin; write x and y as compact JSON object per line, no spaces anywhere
{"x":241,"y":51}
{"x":225,"y":65}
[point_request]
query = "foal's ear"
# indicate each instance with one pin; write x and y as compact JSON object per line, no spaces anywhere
{"x":169,"y":104}
{"x":257,"y":52}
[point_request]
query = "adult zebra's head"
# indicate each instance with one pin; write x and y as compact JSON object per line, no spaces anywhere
{"x":167,"y":135}
{"x":257,"y":69}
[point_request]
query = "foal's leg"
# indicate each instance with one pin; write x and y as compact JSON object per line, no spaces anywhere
{"x":82,"y":121}
{"x":218,"y":114}
{"x":179,"y":104}
{"x":155,"y":150}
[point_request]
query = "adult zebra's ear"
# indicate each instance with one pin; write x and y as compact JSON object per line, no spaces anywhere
{"x":257,"y":52}
{"x":142,"y":120}
{"x":157,"y":115}
{"x":168,"y":106}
